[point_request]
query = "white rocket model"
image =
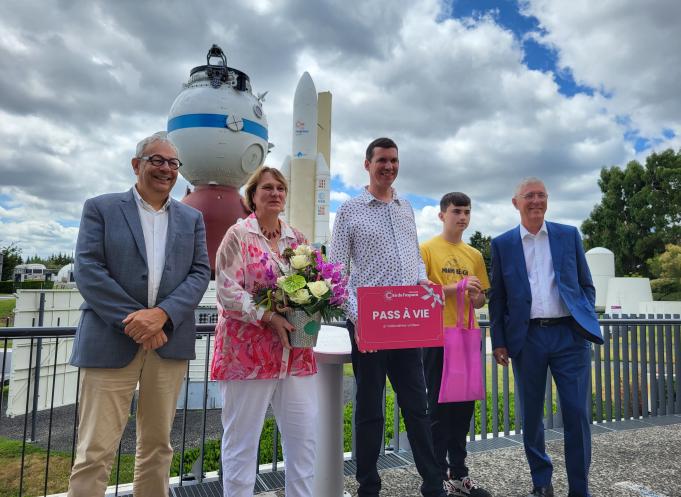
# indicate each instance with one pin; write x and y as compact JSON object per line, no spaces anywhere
{"x":306,"y":169}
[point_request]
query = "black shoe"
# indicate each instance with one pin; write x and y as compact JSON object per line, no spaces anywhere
{"x":542,"y":491}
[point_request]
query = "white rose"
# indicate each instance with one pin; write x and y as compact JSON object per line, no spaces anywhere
{"x":301,"y":297}
{"x":300,"y":261}
{"x":280,"y":280}
{"x":318,"y":288}
{"x":303,"y":250}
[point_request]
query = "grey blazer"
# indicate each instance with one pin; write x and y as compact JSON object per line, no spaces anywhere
{"x":111,"y":274}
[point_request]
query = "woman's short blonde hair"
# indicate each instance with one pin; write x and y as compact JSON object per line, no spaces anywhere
{"x":254,"y":180}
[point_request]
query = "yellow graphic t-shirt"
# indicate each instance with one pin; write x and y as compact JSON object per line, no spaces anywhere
{"x":448,"y":263}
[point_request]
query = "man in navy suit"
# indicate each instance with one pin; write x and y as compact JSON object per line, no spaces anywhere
{"x":542,"y":316}
{"x":142,"y":267}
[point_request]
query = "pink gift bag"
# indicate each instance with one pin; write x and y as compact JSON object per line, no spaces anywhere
{"x":461,"y":368}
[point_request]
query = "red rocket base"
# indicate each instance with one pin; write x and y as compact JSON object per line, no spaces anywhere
{"x":221,"y":206}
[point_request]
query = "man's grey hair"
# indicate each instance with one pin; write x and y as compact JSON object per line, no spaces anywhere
{"x":159,"y":136}
{"x":530,"y":180}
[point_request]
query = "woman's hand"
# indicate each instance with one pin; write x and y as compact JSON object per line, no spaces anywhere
{"x":281,"y":327}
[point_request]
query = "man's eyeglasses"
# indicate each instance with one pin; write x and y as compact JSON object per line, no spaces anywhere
{"x":158,"y":161}
{"x":533,"y":195}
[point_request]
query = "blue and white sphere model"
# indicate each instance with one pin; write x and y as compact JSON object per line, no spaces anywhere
{"x":218,"y":125}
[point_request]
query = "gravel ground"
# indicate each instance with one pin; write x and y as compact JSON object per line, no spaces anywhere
{"x":644,"y":462}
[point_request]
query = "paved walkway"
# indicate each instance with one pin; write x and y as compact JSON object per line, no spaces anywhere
{"x":639,"y":460}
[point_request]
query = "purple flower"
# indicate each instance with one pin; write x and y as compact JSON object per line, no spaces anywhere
{"x":339,"y":294}
{"x":270,"y":277}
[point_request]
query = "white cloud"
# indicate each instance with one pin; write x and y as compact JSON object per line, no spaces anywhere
{"x":629,"y":49}
{"x":80,"y":84}
{"x":340,"y":196}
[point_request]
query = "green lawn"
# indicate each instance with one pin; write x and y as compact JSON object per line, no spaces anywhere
{"x":6,"y":309}
{"x":34,"y":469}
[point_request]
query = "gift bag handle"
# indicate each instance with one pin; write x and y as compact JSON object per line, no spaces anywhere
{"x":460,"y":301}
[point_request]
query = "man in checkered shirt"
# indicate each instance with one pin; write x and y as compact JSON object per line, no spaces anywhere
{"x":374,"y":235}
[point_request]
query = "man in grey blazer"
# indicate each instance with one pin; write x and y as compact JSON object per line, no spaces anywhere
{"x":142,"y":267}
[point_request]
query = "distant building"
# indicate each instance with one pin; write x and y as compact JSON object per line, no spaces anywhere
{"x":31,"y":272}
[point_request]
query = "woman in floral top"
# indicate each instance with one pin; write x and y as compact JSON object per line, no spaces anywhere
{"x":253,"y":361}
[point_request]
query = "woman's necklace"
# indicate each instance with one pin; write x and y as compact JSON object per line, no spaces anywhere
{"x":270,"y":235}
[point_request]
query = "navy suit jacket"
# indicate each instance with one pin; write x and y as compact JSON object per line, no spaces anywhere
{"x":510,"y":296}
{"x":112,"y":275}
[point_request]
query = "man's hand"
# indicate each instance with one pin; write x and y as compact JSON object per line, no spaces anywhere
{"x":501,"y":356}
{"x":475,"y":291}
{"x":155,"y":342}
{"x":143,"y":324}
{"x":280,"y":325}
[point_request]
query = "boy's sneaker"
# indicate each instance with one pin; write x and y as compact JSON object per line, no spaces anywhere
{"x":465,"y":487}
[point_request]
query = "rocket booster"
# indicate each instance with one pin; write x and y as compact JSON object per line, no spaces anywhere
{"x":307,"y":171}
{"x":304,"y":142}
{"x":286,"y":171}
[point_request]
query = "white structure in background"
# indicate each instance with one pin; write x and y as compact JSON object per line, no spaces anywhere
{"x":307,"y":169}
{"x":30,"y":272}
{"x":64,"y":278}
{"x":601,"y":262}
{"x":62,"y":308}
{"x":617,"y":296}
{"x":625,"y":295}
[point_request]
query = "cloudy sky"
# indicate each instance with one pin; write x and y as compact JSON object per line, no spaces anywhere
{"x":477,"y":93}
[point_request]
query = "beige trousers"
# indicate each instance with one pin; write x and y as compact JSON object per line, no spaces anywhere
{"x":105,"y":397}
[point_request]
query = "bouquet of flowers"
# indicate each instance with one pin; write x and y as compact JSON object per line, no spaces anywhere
{"x":309,"y":283}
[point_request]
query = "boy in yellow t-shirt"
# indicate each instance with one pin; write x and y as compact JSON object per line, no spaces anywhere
{"x":448,"y":260}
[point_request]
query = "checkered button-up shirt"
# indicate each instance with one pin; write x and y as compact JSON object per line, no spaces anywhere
{"x":378,"y":244}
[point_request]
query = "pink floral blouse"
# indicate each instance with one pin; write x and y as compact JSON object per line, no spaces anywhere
{"x":245,"y":348}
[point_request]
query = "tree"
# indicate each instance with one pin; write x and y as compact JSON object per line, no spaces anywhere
{"x":11,"y":258}
{"x":640,"y":211}
{"x":668,"y":263}
{"x":58,"y":261}
{"x":667,"y":268}
{"x":484,"y":245}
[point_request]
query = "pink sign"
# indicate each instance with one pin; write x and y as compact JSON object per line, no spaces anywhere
{"x":399,"y":317}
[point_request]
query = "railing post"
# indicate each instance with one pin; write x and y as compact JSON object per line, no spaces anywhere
{"x":677,"y":347}
{"x":617,"y":378}
{"x":38,"y":360}
{"x":635,"y":402}
{"x":599,"y":381}
{"x":607,"y":376}
{"x":625,"y":372}
{"x":660,"y":370}
{"x":670,"y":366}
{"x":483,"y":402}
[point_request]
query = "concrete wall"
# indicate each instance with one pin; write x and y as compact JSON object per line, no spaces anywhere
{"x":62,"y":309}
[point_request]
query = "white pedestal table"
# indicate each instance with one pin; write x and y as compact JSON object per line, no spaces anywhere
{"x":332,"y":351}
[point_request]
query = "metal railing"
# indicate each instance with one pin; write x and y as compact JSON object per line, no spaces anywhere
{"x":635,"y":374}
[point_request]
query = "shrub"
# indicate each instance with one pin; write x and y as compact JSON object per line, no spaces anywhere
{"x":6,"y":287}
{"x":34,"y":285}
{"x":211,"y":452}
{"x":675,"y":296}
{"x":665,"y":286}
